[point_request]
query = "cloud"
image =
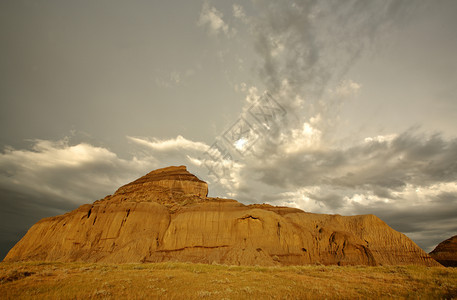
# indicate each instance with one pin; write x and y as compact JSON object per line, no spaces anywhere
{"x":177,"y":144}
{"x":346,"y":88}
{"x":383,"y":162}
{"x":311,"y":44}
{"x":61,"y":171}
{"x":299,"y":139}
{"x":212,"y":19}
{"x":47,"y":154}
{"x":239,"y":14}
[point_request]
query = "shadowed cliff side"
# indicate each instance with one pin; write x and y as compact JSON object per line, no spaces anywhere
{"x":446,"y":252}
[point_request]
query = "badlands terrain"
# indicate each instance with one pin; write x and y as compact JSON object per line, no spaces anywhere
{"x":167,"y":216}
{"x":161,"y":236}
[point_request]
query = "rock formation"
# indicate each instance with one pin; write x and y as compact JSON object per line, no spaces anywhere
{"x":446,"y":252}
{"x":167,"y":216}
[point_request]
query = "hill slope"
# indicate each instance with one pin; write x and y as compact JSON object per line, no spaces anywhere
{"x":446,"y":252}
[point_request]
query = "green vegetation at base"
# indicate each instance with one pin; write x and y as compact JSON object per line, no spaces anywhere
{"x":38,"y":280}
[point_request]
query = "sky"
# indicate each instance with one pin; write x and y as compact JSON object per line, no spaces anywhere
{"x":339,"y":107}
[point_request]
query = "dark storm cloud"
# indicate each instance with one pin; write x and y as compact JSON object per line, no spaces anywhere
{"x":310,"y":42}
{"x":409,"y":158}
{"x":332,"y":200}
{"x":20,"y":211}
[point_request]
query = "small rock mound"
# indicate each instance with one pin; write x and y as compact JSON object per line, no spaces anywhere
{"x":169,"y":186}
{"x":446,"y":252}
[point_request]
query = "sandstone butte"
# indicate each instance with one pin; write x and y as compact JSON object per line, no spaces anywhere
{"x":446,"y":252}
{"x":167,"y":216}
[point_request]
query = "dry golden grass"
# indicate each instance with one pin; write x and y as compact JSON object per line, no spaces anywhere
{"x":34,"y":280}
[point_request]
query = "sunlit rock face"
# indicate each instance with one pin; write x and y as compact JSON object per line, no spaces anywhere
{"x":171,"y":181}
{"x":167,"y":216}
{"x":446,"y":252}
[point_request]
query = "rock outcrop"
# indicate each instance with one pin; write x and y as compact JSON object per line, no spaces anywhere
{"x":167,"y":216}
{"x":446,"y":252}
{"x":171,"y":187}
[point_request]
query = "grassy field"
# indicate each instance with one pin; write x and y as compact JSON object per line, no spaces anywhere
{"x":191,"y":281}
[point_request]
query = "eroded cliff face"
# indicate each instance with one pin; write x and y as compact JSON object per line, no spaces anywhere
{"x":167,"y":216}
{"x":446,"y":252}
